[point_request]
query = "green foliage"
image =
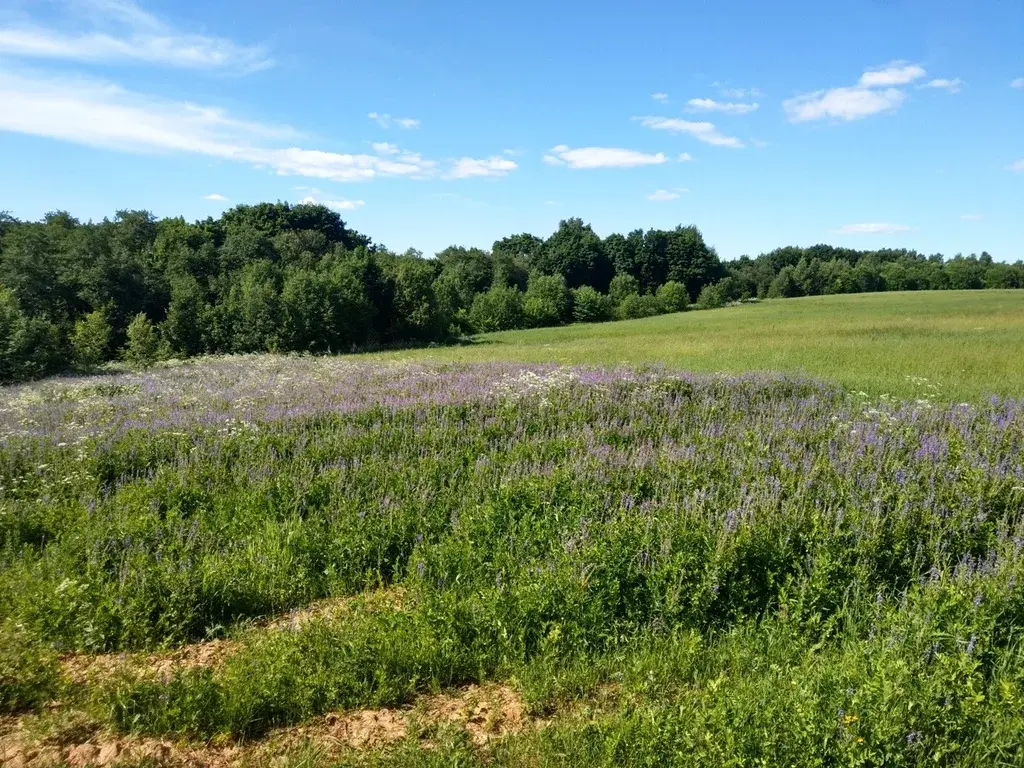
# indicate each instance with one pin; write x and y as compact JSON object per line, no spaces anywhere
{"x":635,"y":306}
{"x":576,"y":253}
{"x":547,"y":301}
{"x":785,"y":285}
{"x":30,"y":347}
{"x":91,"y":339}
{"x":499,"y":309}
{"x":673,"y":297}
{"x":143,"y":347}
{"x":711,"y":297}
{"x":621,"y":287}
{"x":28,"y":670}
{"x":590,"y":306}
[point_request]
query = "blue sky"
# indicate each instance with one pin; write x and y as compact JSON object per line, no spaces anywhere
{"x":862,"y":123}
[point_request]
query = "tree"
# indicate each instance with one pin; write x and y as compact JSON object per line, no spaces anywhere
{"x":673,"y":297}
{"x":143,"y":347}
{"x":547,"y":301}
{"x":499,"y":309}
{"x":575,"y":253}
{"x":91,"y":339}
{"x":785,"y":285}
{"x":29,"y":346}
{"x":254,"y":309}
{"x":186,"y":326}
{"x":690,"y":260}
{"x":621,"y":287}
{"x":523,"y":249}
{"x":590,"y":306}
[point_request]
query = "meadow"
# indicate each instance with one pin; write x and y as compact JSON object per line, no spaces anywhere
{"x":969,"y":344}
{"x":441,"y":559}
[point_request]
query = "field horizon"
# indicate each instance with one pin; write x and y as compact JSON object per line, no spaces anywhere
{"x":965,"y":345}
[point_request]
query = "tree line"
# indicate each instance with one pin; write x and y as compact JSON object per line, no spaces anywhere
{"x":296,"y":278}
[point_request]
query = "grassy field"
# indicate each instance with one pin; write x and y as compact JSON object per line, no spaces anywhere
{"x":370,"y":561}
{"x":966,"y":343}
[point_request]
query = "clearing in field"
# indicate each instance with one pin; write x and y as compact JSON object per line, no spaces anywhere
{"x":306,"y":561}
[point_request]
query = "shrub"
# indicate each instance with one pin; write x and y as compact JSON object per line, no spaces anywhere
{"x":636,"y":306}
{"x":673,"y":297}
{"x":621,"y":287}
{"x":590,"y":306}
{"x":499,"y":309}
{"x":547,"y":301}
{"x":143,"y":347}
{"x":91,"y":339}
{"x":711,"y":297}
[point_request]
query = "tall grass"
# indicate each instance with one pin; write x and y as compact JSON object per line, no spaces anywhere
{"x":731,"y":570}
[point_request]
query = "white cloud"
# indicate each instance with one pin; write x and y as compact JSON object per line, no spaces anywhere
{"x":759,"y":143}
{"x":662,"y":97}
{"x":217,"y":198}
{"x":684,"y":157}
{"x":953,"y":86}
{"x":874,"y":93}
{"x":702,"y":131}
{"x":741,"y":93}
{"x":1017,"y":167}
{"x":842,"y":103}
{"x":710,"y":105}
{"x":468,"y":167}
{"x":122,"y":31}
{"x":601,"y":157}
{"x":972,"y":217}
{"x":896,"y":73}
{"x":314,"y":198}
{"x":1018,"y":83}
{"x":665,"y":195}
{"x":104,"y":115}
{"x":873,"y":229}
{"x":385,"y":120}
{"x":383,"y":148}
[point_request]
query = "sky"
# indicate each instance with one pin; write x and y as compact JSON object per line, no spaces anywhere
{"x":860,"y":123}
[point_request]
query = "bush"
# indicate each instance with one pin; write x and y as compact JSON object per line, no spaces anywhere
{"x":673,"y":297}
{"x":499,"y":309}
{"x":635,"y":306}
{"x":547,"y":301}
{"x":143,"y":348}
{"x":711,"y":297}
{"x":590,"y":306}
{"x":621,"y":287}
{"x":90,"y":339}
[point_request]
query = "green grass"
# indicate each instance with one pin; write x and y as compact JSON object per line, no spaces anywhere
{"x":968,"y":344}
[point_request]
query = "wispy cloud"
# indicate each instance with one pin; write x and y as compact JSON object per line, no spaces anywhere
{"x":469,"y":167}
{"x":1018,"y":83}
{"x":972,"y":217}
{"x":385,"y":120}
{"x":702,"y":131}
{"x":601,"y":157}
{"x":684,"y":157}
{"x":101,"y":114}
{"x":1017,"y":167}
{"x":873,"y":229}
{"x":873,"y":94}
{"x":121,"y":31}
{"x":384,"y":148}
{"x":953,"y":86}
{"x":215,"y":197}
{"x":662,"y":97}
{"x":315,"y":197}
{"x":842,"y":104}
{"x":666,"y":195}
{"x":896,"y":73}
{"x":710,"y":105}
{"x":741,"y":93}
